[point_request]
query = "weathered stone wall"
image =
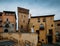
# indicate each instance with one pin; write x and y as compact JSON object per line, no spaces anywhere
{"x":23,"y":15}
{"x":57,"y":26}
{"x":48,"y":24}
{"x":21,"y":38}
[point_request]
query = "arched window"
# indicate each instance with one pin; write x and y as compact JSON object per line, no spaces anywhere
{"x":7,"y":25}
{"x":7,"y":21}
{"x":44,"y":19}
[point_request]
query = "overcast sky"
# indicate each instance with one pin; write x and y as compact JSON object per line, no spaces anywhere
{"x":36,"y":7}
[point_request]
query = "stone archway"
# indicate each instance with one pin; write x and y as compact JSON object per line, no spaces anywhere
{"x":6,"y":30}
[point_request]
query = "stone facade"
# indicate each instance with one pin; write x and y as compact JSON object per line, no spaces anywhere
{"x":0,"y":21}
{"x":57,"y":28}
{"x":44,"y":26}
{"x":57,"y":25}
{"x":23,"y":19}
{"x":8,"y":21}
{"x":20,"y":39}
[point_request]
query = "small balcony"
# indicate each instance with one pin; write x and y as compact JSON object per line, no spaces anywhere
{"x":41,"y":27}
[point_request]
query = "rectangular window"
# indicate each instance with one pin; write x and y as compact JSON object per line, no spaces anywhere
{"x":21,"y":26}
{"x":44,"y":19}
{"x":58,"y":24}
{"x":50,"y":31}
{"x":38,"y":19}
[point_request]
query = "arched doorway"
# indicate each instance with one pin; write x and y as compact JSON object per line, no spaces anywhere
{"x":6,"y":30}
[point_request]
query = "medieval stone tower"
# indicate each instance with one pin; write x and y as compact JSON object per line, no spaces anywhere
{"x":23,"y":19}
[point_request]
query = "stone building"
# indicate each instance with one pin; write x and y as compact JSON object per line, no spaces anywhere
{"x":44,"y":26}
{"x":8,"y":19}
{"x":0,"y":21}
{"x":57,"y":28}
{"x":57,"y":25}
{"x":23,"y":15}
